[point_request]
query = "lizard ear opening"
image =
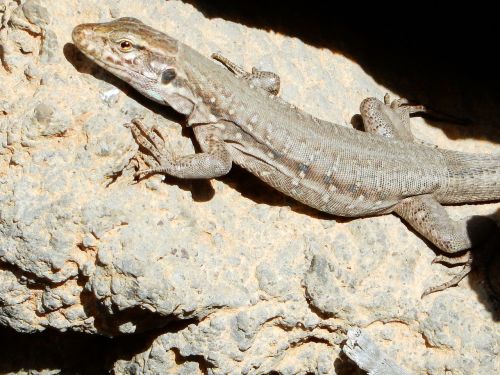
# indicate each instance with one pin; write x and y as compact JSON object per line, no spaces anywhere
{"x":168,"y":75}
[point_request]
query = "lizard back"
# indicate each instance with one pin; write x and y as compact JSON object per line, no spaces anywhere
{"x":327,"y":166}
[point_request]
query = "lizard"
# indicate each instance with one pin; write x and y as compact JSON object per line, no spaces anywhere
{"x":237,"y":117}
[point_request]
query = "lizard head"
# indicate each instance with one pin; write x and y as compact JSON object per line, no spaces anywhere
{"x":139,"y":55}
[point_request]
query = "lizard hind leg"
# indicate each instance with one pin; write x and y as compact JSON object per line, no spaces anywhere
{"x":391,"y":119}
{"x":430,"y":219}
{"x":268,"y":81}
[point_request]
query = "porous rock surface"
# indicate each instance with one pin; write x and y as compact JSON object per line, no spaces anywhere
{"x":228,"y":276}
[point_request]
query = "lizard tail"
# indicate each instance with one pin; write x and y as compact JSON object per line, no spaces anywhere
{"x":472,"y":177}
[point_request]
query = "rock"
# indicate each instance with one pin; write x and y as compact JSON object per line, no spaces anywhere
{"x":244,"y":281}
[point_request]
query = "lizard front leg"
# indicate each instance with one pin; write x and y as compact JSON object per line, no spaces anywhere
{"x":214,"y":161}
{"x":268,"y":81}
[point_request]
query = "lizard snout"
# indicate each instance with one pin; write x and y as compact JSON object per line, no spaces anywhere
{"x":81,"y":35}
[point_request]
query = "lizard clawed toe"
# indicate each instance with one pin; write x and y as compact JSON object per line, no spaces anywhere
{"x":453,"y":282}
{"x":139,"y":175}
{"x":444,"y":259}
{"x":150,"y":140}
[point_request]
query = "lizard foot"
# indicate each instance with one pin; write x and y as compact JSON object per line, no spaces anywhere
{"x":454,"y":281}
{"x":146,"y":138}
{"x":153,"y":142}
{"x":149,"y":139}
{"x":268,"y":81}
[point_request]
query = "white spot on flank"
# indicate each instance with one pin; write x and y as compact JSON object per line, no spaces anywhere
{"x":212,"y":100}
{"x":231,"y":112}
{"x":302,"y":174}
{"x":295,"y":182}
{"x":212,"y":118}
{"x":271,"y":155}
{"x":332,"y":187}
{"x":252,"y":86}
{"x":239,"y":136}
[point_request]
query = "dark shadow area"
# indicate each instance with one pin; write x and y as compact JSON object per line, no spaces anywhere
{"x":71,"y":352}
{"x":203,"y":365}
{"x":485,"y":275}
{"x":431,"y":57}
{"x":345,"y":366}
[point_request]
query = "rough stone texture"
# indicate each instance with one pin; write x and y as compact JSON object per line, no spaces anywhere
{"x":226,"y":276}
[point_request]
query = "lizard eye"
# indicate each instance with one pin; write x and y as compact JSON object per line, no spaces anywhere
{"x":168,"y":75}
{"x":125,"y":45}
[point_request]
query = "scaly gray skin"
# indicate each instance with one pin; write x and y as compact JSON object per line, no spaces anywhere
{"x":237,"y":117}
